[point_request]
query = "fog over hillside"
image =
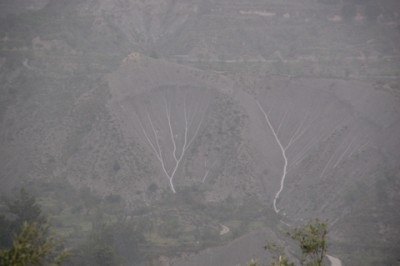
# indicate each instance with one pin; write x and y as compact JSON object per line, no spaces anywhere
{"x":191,"y":132}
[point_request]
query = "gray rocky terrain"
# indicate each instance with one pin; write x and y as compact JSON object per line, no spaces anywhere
{"x":249,"y":114}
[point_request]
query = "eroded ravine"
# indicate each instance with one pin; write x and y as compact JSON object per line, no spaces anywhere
{"x":283,"y":151}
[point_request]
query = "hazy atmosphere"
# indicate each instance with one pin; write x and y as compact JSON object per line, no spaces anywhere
{"x":198,"y":132}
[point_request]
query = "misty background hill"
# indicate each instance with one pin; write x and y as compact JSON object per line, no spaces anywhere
{"x":184,"y":116}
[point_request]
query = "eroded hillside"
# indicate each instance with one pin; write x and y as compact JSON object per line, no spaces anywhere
{"x":202,"y":115}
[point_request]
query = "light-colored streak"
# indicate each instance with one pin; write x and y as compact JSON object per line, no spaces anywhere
{"x":155,"y":133}
{"x":294,"y":137}
{"x":159,"y":154}
{"x":283,"y":151}
{"x":336,"y":128}
{"x":285,"y":223}
{"x":366,"y":136}
{"x":170,"y":129}
{"x":322,"y":138}
{"x":301,"y":155}
{"x":326,"y":166}
{"x":345,"y":151}
{"x":362,"y":146}
{"x":25,"y":64}
{"x":225,"y":230}
{"x":206,"y":173}
{"x":329,"y":162}
{"x":281,"y":123}
{"x":196,"y":131}
{"x":334,"y":261}
{"x":305,"y":130}
{"x":148,"y":139}
{"x":184,"y":147}
{"x":303,"y":152}
{"x":156,"y":147}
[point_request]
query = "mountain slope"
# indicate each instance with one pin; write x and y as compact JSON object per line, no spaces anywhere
{"x":207,"y":99}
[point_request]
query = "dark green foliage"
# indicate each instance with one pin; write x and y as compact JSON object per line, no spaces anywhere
{"x":24,"y":234}
{"x":311,"y":239}
{"x":18,"y":211}
{"x":33,"y":246}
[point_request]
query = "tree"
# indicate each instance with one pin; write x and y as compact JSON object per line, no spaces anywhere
{"x":311,"y":239}
{"x":24,"y":234}
{"x":312,"y":242}
{"x":33,"y":246}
